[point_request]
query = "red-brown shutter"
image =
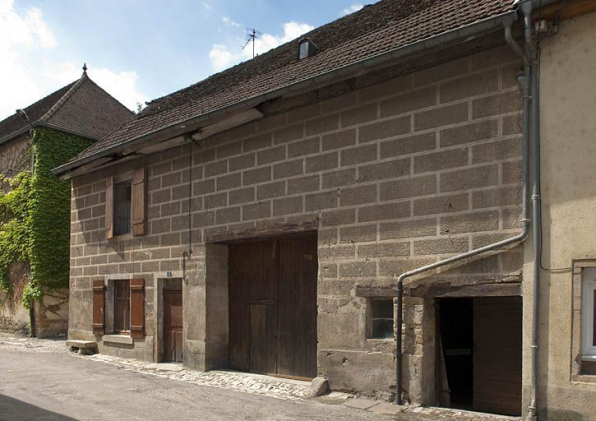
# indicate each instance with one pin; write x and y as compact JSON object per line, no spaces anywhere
{"x":137,"y":308}
{"x":98,"y":307}
{"x":109,"y":208}
{"x":138,"y":202}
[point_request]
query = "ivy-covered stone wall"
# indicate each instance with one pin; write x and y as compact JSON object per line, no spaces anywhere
{"x":35,"y":221}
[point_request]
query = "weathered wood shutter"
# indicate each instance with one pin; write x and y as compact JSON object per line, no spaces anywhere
{"x":98,"y":307}
{"x":137,"y":308}
{"x":138,"y":202}
{"x":110,"y":208}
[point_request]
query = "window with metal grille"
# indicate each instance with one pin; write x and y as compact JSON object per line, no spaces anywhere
{"x":122,"y":208}
{"x":381,"y":316}
{"x":121,"y":306}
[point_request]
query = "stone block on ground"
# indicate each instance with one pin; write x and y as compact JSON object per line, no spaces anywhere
{"x":318,"y":387}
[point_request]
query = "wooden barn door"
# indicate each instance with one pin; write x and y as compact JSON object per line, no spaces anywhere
{"x":273,"y":313}
{"x":497,"y":355}
{"x":252,"y":281}
{"x":262,"y":338}
{"x":297,"y":322}
{"x":172,"y":329}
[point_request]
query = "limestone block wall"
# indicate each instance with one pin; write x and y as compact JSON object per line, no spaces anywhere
{"x":392,"y":176}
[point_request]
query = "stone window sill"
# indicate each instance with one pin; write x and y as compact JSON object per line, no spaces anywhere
{"x":380,"y":339}
{"x":583,"y":378}
{"x":120,"y":237}
{"x":118,"y":339}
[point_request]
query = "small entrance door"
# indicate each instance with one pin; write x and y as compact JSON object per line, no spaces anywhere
{"x":479,"y":364}
{"x":273,"y":306}
{"x":498,"y":355}
{"x":172,"y":329}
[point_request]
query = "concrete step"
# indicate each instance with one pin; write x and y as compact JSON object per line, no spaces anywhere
{"x":75,"y":343}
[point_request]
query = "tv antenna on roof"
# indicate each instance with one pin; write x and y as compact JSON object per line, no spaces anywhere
{"x":251,"y":36}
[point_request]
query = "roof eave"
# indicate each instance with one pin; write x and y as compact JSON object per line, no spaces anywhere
{"x":19,"y":132}
{"x":473,"y":29}
{"x":39,"y":123}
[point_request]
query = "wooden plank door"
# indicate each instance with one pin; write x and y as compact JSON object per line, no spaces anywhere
{"x":252,"y":278}
{"x":273,"y":306}
{"x":262,"y":338}
{"x":297,"y":308}
{"x":172,"y":330}
{"x":498,"y":355}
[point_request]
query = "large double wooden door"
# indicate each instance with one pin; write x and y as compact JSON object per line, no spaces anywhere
{"x":273,"y":306}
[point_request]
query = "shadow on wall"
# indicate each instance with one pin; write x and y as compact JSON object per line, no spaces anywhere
{"x":16,"y":410}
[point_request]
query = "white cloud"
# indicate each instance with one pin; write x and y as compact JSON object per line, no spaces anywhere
{"x":121,"y":85}
{"x":28,"y":71}
{"x":228,"y":21}
{"x":207,"y":6}
{"x":351,"y":9}
{"x":223,"y":56}
{"x":220,"y":57}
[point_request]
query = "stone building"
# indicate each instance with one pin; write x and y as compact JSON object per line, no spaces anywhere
{"x":84,"y":112}
{"x":264,"y":218}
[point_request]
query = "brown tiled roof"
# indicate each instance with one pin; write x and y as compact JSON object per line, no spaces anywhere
{"x":81,"y":107}
{"x":35,"y":111}
{"x":374,"y":30}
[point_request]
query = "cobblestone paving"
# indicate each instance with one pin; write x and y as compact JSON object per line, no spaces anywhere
{"x":240,"y":382}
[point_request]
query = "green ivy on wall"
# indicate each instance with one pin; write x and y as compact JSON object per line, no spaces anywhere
{"x":35,"y":217}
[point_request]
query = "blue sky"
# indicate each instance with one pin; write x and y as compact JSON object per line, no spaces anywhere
{"x":139,"y":49}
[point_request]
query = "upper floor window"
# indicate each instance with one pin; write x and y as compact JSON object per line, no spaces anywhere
{"x":122,"y":208}
{"x":126,"y":205}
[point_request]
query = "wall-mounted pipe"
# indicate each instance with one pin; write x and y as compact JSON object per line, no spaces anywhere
{"x":525,"y":222}
{"x":533,"y":50}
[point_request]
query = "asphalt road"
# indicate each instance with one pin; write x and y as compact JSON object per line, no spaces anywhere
{"x":59,"y":387}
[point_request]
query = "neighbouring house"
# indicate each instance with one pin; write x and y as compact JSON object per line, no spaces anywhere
{"x":362,"y":204}
{"x":34,"y":231}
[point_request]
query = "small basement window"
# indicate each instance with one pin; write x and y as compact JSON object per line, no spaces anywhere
{"x":122,"y":208}
{"x":381,"y":317}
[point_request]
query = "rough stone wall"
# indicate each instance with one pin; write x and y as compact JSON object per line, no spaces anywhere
{"x":392,"y":176}
{"x":13,"y":156}
{"x":51,"y":314}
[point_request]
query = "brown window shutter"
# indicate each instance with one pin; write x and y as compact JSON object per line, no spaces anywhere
{"x":110,"y":208}
{"x":98,"y":307}
{"x":137,"y":308}
{"x":138,"y":202}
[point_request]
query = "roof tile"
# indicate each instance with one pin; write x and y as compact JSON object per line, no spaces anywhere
{"x":373,"y":30}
